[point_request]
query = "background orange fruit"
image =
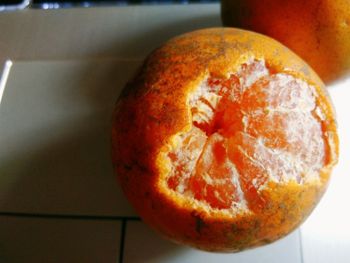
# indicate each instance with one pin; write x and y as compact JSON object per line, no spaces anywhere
{"x":317,"y":30}
{"x":224,"y":140}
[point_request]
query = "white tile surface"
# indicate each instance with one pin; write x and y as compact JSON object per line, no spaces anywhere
{"x":55,"y":120}
{"x":75,"y":33}
{"x":143,"y":245}
{"x":33,"y":240}
{"x":326,"y":234}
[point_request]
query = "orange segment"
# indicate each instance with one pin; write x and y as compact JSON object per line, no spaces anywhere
{"x":253,"y":176}
{"x":184,"y":159}
{"x":215,"y":179}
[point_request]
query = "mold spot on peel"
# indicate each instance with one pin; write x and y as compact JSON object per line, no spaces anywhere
{"x":249,"y":129}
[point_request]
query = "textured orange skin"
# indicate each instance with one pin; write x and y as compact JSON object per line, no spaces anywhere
{"x":317,"y":30}
{"x":152,"y":108}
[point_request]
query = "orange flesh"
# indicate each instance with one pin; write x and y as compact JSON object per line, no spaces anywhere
{"x":252,"y":128}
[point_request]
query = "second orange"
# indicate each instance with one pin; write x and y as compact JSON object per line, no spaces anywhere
{"x":317,"y":30}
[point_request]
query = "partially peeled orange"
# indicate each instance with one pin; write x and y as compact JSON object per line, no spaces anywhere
{"x":224,"y":140}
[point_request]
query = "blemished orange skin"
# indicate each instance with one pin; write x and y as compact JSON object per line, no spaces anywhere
{"x":317,"y":30}
{"x":152,"y":108}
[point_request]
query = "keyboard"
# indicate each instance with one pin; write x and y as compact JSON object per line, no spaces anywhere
{"x":6,"y":5}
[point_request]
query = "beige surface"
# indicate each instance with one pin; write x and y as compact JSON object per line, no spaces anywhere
{"x":55,"y":122}
{"x":127,"y":32}
{"x":142,"y":245}
{"x":33,"y":240}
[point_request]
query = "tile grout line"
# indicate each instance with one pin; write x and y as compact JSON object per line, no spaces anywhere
{"x":301,"y":246}
{"x":4,"y":77}
{"x":122,"y":241}
{"x":72,"y":217}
